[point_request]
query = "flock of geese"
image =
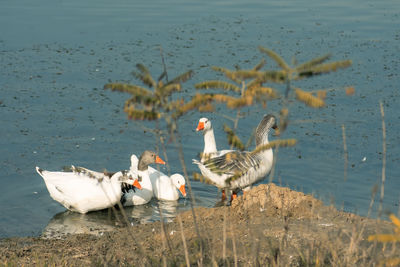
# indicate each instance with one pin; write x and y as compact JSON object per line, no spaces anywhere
{"x":83,"y":190}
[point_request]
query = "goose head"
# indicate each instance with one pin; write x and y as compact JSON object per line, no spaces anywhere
{"x":147,"y":158}
{"x":179,"y":182}
{"x":204,"y":125}
{"x":263,"y":128}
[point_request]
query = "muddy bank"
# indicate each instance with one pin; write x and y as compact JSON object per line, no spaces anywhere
{"x":270,"y":225}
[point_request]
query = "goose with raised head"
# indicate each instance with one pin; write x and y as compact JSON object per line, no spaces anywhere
{"x":164,"y":187}
{"x":144,"y":195}
{"x":238,"y":170}
{"x":210,"y":146}
{"x":83,"y":190}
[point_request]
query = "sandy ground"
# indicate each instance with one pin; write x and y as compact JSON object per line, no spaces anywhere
{"x":268,"y":226}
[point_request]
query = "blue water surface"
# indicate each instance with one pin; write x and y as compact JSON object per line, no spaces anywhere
{"x":56,"y":56}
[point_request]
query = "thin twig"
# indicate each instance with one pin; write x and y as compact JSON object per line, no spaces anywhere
{"x":184,"y":242}
{"x":178,"y":144}
{"x":371,"y":204}
{"x":346,"y":156}
{"x":224,"y":237}
{"x":164,"y":237}
{"x":233,"y":240}
{"x":164,"y":65}
{"x":383,"y":160}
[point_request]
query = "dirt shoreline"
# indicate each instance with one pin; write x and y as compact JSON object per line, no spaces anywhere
{"x":270,"y":225}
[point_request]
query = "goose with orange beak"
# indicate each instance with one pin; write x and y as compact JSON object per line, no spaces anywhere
{"x":83,"y":190}
{"x":144,"y":195}
{"x":239,"y":170}
{"x":164,"y":187}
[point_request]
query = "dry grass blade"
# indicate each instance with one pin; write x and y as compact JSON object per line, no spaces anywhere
{"x":233,"y":139}
{"x":324,"y":68}
{"x":127,"y":88}
{"x":309,"y":99}
{"x":184,"y":241}
{"x":396,"y":222}
{"x":384,"y":238}
{"x":312,"y":63}
{"x":383,"y":159}
{"x":217,"y":85}
{"x":277,"y":58}
{"x":389,"y":238}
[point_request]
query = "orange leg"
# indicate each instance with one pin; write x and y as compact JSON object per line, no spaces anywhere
{"x":233,"y":196}
{"x":223,"y":197}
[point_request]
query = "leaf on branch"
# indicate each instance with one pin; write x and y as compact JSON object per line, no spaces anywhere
{"x":197,"y":102}
{"x":233,"y":139}
{"x":144,"y":75}
{"x":259,"y":65}
{"x":273,"y":76}
{"x":233,"y":102}
{"x":198,"y":177}
{"x":148,"y":101}
{"x":321,"y":94}
{"x":275,"y":143}
{"x":217,"y":85}
{"x":135,"y":114}
{"x":228,"y":74}
{"x":167,"y":89}
{"x":258,"y":91}
{"x":277,"y":58}
{"x":245,"y":74}
{"x":324,"y":68}
{"x":309,"y":99}
{"x":312,"y":63}
{"x":182,"y":78}
{"x":127,"y":88}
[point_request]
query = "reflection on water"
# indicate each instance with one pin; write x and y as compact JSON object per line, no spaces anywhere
{"x":70,"y":222}
{"x":96,"y":223}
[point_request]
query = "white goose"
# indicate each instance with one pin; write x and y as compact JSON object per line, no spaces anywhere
{"x":210,"y":147}
{"x":83,"y":190}
{"x":239,"y":170}
{"x":139,"y":197}
{"x":164,"y":187}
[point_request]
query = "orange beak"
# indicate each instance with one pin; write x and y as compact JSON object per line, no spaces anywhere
{"x":183,"y":190}
{"x":159,"y":160}
{"x":137,"y":184}
{"x":200,"y":127}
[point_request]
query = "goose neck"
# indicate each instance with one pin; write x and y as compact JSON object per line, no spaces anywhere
{"x":209,"y":142}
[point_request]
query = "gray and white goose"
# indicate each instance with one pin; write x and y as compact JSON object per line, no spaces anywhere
{"x":143,"y":196}
{"x":238,"y":170}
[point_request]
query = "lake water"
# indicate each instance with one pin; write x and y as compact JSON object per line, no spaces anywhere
{"x":55,"y":57}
